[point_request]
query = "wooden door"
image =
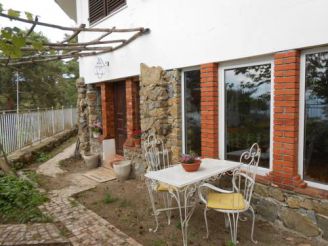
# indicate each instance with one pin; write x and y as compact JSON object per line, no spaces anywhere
{"x":120,"y":116}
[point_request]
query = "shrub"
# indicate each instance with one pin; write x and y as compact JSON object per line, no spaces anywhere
{"x":19,"y":201}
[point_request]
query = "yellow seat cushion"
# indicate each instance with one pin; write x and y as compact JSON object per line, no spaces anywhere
{"x":232,"y":201}
{"x":162,"y":187}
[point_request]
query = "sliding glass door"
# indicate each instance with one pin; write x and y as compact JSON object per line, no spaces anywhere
{"x":315,"y":163}
{"x":247,"y":111}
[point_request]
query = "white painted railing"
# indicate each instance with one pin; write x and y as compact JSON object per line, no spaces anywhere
{"x":26,"y":128}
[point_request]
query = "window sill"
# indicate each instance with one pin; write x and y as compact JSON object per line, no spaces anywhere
{"x":108,"y":16}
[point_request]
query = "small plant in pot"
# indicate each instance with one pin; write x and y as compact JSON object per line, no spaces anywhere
{"x":190,"y":162}
{"x":96,"y":130}
{"x":137,"y":134}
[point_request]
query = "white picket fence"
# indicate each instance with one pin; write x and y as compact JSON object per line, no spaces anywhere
{"x":26,"y":128}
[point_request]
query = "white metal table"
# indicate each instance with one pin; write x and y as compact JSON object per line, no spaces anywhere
{"x":184,"y":184}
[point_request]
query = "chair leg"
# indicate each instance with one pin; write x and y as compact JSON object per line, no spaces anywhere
{"x":167,"y":203}
{"x":152,"y":201}
{"x":253,"y":223}
{"x":233,"y":222}
{"x":206,"y":224}
{"x":226,"y":221}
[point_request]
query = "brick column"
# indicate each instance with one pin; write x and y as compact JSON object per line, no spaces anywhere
{"x":209,"y":110}
{"x":107,"y":110}
{"x":132,"y":107}
{"x":286,"y":120}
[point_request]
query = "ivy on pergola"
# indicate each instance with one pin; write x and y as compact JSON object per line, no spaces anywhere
{"x":66,"y":49}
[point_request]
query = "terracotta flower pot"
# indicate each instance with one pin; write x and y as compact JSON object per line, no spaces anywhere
{"x":191,"y":167}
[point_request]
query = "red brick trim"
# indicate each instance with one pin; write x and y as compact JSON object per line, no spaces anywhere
{"x":209,"y":110}
{"x":309,"y":191}
{"x":132,"y":106}
{"x":107,"y":108}
{"x":286,"y":120}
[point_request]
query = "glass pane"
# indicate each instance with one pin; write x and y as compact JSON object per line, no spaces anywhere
{"x":247,"y":111}
{"x":316,"y":118}
{"x":192,"y":111}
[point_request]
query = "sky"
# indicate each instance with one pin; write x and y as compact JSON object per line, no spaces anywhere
{"x":47,"y":10}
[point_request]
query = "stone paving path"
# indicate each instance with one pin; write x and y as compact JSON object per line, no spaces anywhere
{"x":82,"y":226}
{"x":51,"y":167}
{"x":85,"y":226}
{"x":32,"y":234}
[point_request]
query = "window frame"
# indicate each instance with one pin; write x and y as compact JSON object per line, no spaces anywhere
{"x":96,"y":22}
{"x":188,"y":69}
{"x":221,"y":101}
{"x":301,"y":127}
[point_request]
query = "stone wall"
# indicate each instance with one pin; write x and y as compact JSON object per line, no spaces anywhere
{"x":82,"y":110}
{"x":304,"y":214}
{"x":25,"y":156}
{"x":87,"y":117}
{"x":160,"y":106}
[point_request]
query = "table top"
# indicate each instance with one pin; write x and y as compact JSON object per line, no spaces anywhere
{"x":178,"y":177}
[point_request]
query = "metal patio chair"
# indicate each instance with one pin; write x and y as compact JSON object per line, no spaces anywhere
{"x":157,"y":158}
{"x":235,"y":201}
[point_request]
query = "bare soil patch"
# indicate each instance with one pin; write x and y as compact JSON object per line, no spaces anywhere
{"x":70,"y":165}
{"x":126,"y":205}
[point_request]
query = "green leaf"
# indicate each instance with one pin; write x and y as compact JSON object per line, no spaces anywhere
{"x":13,"y":13}
{"x":6,"y":34}
{"x":29,"y":16}
{"x":1,"y":8}
{"x":18,"y":41}
{"x":37,"y":45}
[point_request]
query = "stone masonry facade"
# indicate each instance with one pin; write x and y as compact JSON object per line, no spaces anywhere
{"x":160,"y":97}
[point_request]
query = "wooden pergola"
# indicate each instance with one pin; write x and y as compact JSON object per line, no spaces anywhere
{"x":67,"y":49}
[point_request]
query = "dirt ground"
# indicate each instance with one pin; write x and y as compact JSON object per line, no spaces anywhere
{"x":71,"y":165}
{"x":126,"y":205}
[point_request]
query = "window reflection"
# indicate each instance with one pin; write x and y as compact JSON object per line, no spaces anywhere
{"x":192,"y":111}
{"x":316,"y":118}
{"x":247,"y":111}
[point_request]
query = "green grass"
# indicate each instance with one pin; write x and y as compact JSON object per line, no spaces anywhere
{"x":159,"y":243}
{"x":42,"y":157}
{"x":19,"y":201}
{"x":230,"y":243}
{"x":109,"y":199}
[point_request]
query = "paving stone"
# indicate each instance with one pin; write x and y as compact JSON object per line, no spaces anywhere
{"x":22,"y":234}
{"x":86,"y":227}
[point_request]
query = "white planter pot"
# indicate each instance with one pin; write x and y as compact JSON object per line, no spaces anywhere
{"x":122,"y":169}
{"x":91,"y":161}
{"x":96,"y":134}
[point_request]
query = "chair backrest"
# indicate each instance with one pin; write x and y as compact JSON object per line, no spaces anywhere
{"x":243,"y":183}
{"x":157,"y":156}
{"x":251,"y":159}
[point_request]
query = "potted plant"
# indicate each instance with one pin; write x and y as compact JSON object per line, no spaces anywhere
{"x":190,"y":162}
{"x":96,"y":130}
{"x":137,"y":137}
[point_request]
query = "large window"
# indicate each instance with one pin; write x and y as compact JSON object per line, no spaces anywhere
{"x":247,"y":111}
{"x":98,"y":9}
{"x":315,"y":162}
{"x":192,"y":119}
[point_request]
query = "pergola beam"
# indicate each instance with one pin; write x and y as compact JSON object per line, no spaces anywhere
{"x":65,"y":49}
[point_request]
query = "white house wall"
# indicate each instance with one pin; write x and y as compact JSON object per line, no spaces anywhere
{"x":190,"y":32}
